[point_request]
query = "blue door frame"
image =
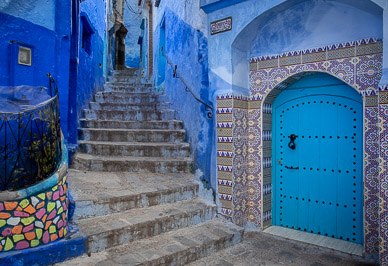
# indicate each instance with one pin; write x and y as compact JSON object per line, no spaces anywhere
{"x":318,"y":164}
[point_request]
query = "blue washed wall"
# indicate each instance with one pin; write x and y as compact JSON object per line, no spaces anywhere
{"x":229,"y":52}
{"x":315,"y":24}
{"x":39,"y":12}
{"x":43,"y":25}
{"x":186,"y":46}
{"x":132,"y":21}
{"x":90,"y":76}
{"x":40,"y":38}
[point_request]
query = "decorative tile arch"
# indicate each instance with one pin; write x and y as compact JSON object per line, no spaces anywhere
{"x":244,"y":127}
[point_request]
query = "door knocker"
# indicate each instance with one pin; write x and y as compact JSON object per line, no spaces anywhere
{"x":291,"y":145}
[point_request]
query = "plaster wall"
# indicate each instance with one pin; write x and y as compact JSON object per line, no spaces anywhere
{"x":90,"y":76}
{"x":229,"y":48}
{"x":132,"y":21}
{"x":39,"y":12}
{"x":42,"y":43}
{"x":186,"y":45}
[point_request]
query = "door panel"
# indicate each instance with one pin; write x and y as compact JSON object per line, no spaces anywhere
{"x":318,"y":185}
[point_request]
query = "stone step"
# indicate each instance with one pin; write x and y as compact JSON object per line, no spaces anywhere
{"x":115,"y":97}
{"x":178,"y":247}
{"x":165,"y":124}
{"x":86,"y":162}
{"x":129,"y":115}
{"x":128,"y":106}
{"x":124,"y":71}
{"x":131,"y":135}
{"x":152,"y":149}
{"x":128,"y":88}
{"x":104,"y":193}
{"x":116,"y":229}
{"x":121,"y":84}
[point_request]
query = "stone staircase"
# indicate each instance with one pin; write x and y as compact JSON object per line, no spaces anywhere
{"x":137,"y":201}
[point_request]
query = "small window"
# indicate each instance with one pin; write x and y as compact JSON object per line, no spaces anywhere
{"x":86,"y":40}
{"x":24,"y":56}
{"x":86,"y":34}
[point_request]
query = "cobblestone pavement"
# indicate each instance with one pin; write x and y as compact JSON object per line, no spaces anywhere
{"x":264,"y":249}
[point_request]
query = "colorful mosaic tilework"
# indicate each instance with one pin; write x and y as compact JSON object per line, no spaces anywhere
{"x":224,"y":115}
{"x":39,"y":219}
{"x":383,"y":186}
{"x":357,"y":63}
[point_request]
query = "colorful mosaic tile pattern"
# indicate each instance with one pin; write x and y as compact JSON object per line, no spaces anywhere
{"x":383,"y":177}
{"x":357,"y":63}
{"x":224,"y":117}
{"x":39,"y":219}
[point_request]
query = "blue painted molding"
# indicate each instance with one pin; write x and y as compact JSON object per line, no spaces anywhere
{"x":212,"y":5}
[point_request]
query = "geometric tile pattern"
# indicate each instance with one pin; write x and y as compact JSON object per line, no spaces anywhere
{"x":383,"y":177}
{"x":36,"y":220}
{"x":244,"y":135}
{"x":358,"y":64}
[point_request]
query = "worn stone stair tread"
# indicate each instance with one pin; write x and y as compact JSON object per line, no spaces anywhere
{"x":135,"y":130}
{"x":129,"y":105}
{"x":131,"y":158}
{"x":177,"y":247}
{"x":97,"y":185}
{"x":149,"y":124}
{"x":101,"y":224}
{"x":118,"y":228}
{"x":103,"y":193}
{"x":131,"y":94}
{"x":136,"y":144}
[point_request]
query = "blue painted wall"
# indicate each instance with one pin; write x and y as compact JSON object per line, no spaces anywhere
{"x":132,"y":21}
{"x":39,"y":12}
{"x":43,"y":26}
{"x":90,"y":72}
{"x":315,"y":24}
{"x":42,"y":43}
{"x":186,"y":46}
{"x":291,"y":24}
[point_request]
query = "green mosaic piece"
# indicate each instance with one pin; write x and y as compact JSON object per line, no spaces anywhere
{"x":50,"y":206}
{"x":27,"y":221}
{"x":34,"y":243}
{"x":42,"y":196}
{"x":2,"y":223}
{"x":65,"y":232}
{"x":17,"y":238}
{"x":8,"y":244}
{"x":39,"y":233}
{"x":24,"y":203}
{"x":52,"y":229}
{"x":60,"y":210}
{"x":55,"y":188}
{"x":64,"y":180}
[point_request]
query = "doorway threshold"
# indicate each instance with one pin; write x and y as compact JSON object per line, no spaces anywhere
{"x":314,"y":239}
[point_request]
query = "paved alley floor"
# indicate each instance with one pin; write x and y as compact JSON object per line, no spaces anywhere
{"x":264,"y":249}
{"x":257,"y":249}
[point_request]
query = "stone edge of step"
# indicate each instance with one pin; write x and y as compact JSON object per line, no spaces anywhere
{"x":128,"y":226}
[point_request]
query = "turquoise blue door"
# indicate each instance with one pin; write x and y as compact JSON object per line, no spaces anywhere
{"x":317,"y":162}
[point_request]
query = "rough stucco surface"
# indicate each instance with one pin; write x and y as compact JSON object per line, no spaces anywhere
{"x":221,"y":52}
{"x":186,"y":47}
{"x":39,"y":12}
{"x":306,"y":26}
{"x":90,"y":77}
{"x":132,"y":21}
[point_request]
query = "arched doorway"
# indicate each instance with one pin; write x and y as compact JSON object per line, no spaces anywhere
{"x":317,"y":162}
